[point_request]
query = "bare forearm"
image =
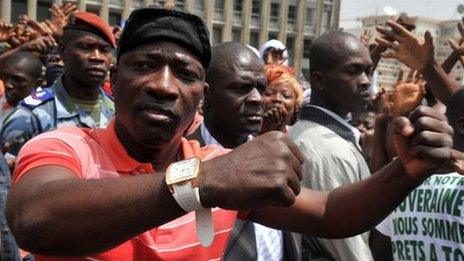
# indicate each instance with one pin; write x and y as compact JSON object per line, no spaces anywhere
{"x":376,"y":55}
{"x":441,"y":85}
{"x":450,"y":61}
{"x":76,"y":217}
{"x":345,"y":211}
{"x":358,"y":207}
{"x":379,"y":153}
{"x":379,"y":156}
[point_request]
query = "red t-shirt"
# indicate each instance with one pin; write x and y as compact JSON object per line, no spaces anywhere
{"x":97,"y":153}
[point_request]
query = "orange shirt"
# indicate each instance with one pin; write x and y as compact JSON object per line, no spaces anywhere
{"x":97,"y":153}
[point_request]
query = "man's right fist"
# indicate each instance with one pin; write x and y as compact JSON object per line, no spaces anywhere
{"x":424,"y":142}
{"x":263,"y":172}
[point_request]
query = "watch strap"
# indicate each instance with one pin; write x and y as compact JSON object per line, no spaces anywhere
{"x":205,"y":229}
{"x":187,"y":197}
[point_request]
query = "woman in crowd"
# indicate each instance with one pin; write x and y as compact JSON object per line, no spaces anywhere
{"x":282,"y":98}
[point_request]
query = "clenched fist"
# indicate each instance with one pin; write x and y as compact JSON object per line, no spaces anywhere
{"x":423,"y":142}
{"x":263,"y":172}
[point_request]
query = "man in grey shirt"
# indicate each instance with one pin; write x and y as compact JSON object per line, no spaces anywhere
{"x":341,"y":73}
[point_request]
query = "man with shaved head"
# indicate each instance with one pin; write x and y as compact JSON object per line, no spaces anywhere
{"x":23,"y":74}
{"x":232,"y":107}
{"x":232,"y":111}
{"x":341,"y":72}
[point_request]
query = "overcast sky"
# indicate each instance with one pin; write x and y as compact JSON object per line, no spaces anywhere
{"x":437,"y":9}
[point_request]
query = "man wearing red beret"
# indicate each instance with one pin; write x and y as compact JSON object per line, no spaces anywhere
{"x":76,"y":97}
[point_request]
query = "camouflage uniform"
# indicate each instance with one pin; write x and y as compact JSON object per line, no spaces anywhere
{"x":45,"y":110}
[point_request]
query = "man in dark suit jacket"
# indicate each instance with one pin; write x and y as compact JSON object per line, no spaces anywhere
{"x":232,"y":115}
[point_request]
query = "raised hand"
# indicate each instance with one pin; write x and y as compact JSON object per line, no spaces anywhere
{"x":5,"y":31}
{"x":60,"y":17}
{"x":366,"y":38}
{"x":459,"y":46}
{"x":263,"y":172}
{"x":405,"y":47}
{"x":42,"y":28}
{"x":384,"y":99}
{"x":68,"y":8}
{"x":423,"y":141}
{"x":20,"y":33}
{"x":408,"y":94}
{"x":20,"y":27}
{"x":275,"y":118}
{"x":16,"y":41}
{"x":40,"y":45}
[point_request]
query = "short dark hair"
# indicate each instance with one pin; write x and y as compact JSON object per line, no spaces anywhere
{"x":34,"y":66}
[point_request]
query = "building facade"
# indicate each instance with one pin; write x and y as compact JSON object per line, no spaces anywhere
{"x":441,"y":31}
{"x":294,"y":22}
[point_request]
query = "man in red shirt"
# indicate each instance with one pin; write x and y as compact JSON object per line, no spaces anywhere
{"x":106,"y":194}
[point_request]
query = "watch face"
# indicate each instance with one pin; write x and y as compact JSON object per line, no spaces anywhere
{"x":182,"y":171}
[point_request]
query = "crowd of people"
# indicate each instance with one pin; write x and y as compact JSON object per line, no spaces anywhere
{"x":147,"y":143}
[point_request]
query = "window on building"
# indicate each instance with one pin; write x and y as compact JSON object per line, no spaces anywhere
{"x":307,"y":48}
{"x":217,"y":35}
{"x":256,"y":7}
{"x":236,"y":35}
{"x":290,"y":43}
{"x":458,"y":79}
{"x":254,"y":39}
{"x":290,"y":48}
{"x":238,"y":5}
{"x":137,"y":3}
{"x":219,"y":5}
{"x":199,"y":3}
{"x":305,"y":60}
{"x":291,"y":14}
{"x":42,"y":10}
{"x":94,"y":9}
{"x":272,"y":35}
{"x":18,"y":8}
{"x":199,"y":7}
{"x":275,"y":10}
{"x":310,"y":14}
{"x":180,"y":4}
{"x":327,"y":17}
{"x":114,"y":18}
